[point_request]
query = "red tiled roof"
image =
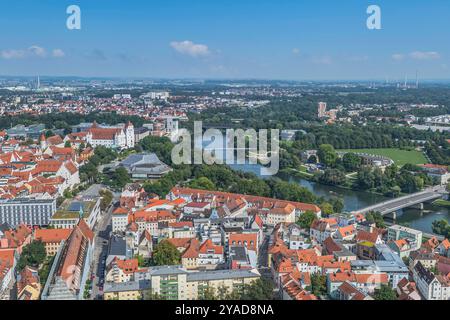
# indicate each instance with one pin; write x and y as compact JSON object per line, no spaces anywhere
{"x":446,"y":244}
{"x":192,"y":250}
{"x":48,"y":166}
{"x":52,"y":235}
{"x":128,"y":266}
{"x":197,"y":204}
{"x":54,"y":140}
{"x":208,"y":246}
{"x":181,"y":224}
{"x":366,"y":236}
{"x":226,"y":196}
{"x":346,"y":231}
{"x":16,"y":237}
{"x":71,"y":167}
{"x":6,"y":261}
{"x":120,"y":211}
{"x":250,"y":240}
{"x":104,"y":133}
{"x":180,"y":242}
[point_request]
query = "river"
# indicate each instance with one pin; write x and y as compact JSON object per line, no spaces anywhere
{"x":354,"y":200}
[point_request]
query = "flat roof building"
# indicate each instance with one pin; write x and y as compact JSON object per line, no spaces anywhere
{"x":29,"y":211}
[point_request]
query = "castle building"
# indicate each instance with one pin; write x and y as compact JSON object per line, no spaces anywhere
{"x":117,"y":137}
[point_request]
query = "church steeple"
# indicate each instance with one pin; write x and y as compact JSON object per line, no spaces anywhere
{"x":81,"y":212}
{"x":42,"y":142}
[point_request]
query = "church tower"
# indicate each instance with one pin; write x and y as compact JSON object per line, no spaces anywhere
{"x":43,"y":142}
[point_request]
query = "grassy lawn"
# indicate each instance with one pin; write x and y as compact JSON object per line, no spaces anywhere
{"x":400,"y":157}
{"x":442,"y":203}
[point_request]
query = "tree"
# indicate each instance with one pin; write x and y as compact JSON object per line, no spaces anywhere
{"x":385,"y":293}
{"x":306,"y":219}
{"x":365,"y":179}
{"x":332,"y":177}
{"x":288,"y":160}
{"x":208,"y":294}
{"x":291,"y":191}
{"x":161,"y":146}
{"x":107,"y":197}
{"x":441,"y":227}
{"x":67,"y":144}
{"x":166,"y":253}
{"x":377,"y":218}
{"x":120,"y":177}
{"x":44,"y":271}
{"x":67,"y":194}
{"x":338,"y":205}
{"x":33,"y":255}
{"x":327,"y":155}
{"x":318,"y":284}
{"x":202,"y":183}
{"x":261,"y":289}
{"x":351,"y":162}
{"x":150,"y":295}
{"x":89,"y":172}
{"x":391,"y":171}
{"x":326,"y":208}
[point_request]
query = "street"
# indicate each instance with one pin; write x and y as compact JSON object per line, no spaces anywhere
{"x":102,"y":232}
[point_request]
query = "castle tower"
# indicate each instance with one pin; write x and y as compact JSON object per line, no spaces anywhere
{"x":129,"y":134}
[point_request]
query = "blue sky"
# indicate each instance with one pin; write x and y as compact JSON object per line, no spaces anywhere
{"x":282,"y":39}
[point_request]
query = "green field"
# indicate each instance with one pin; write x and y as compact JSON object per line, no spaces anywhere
{"x":400,"y":157}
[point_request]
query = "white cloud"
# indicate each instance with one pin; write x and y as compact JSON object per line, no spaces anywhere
{"x":32,"y":51}
{"x":190,"y":48}
{"x":417,"y":55}
{"x":38,"y":51}
{"x":398,"y":57}
{"x":58,"y":53}
{"x":425,"y":55}
{"x":358,"y":58}
{"x":296,"y":51}
{"x":322,"y":60}
{"x":12,"y":54}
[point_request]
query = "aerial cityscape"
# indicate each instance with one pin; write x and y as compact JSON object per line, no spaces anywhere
{"x":311,"y":176}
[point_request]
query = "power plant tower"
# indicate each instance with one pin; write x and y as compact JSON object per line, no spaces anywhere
{"x":417,"y":79}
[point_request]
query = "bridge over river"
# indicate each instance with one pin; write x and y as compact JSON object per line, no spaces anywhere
{"x":410,"y":200}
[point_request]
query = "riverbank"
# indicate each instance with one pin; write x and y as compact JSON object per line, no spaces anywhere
{"x":442,"y":203}
{"x":357,"y":199}
{"x":310,"y":177}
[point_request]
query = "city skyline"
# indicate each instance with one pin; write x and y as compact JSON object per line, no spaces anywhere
{"x":263,"y":40}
